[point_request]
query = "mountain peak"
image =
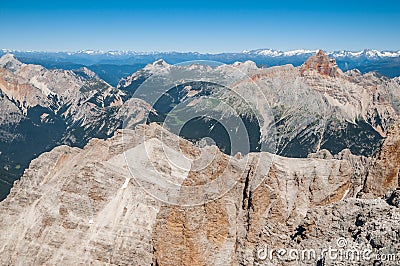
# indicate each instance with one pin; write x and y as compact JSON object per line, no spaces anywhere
{"x":85,"y":72}
{"x":321,"y":63}
{"x":321,"y":53}
{"x":160,"y":62}
{"x":9,"y":62}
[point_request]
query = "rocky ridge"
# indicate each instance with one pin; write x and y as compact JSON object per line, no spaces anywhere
{"x":315,"y":106}
{"x":42,"y":108}
{"x":82,"y":206}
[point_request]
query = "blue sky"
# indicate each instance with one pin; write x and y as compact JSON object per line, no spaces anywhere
{"x":203,"y":26}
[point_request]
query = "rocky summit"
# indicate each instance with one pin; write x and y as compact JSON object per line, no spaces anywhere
{"x":77,"y":206}
{"x":101,"y":190}
{"x":322,"y":64}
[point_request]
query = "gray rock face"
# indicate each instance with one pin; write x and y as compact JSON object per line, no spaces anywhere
{"x":42,"y":108}
{"x":77,"y":206}
{"x":81,"y":199}
{"x":31,"y":85}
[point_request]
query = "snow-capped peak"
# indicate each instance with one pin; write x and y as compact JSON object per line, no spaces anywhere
{"x":267,"y":52}
{"x":299,"y":52}
{"x":369,"y":53}
{"x":10,"y":62}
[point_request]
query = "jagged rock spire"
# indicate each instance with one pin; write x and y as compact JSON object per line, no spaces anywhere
{"x":321,"y":63}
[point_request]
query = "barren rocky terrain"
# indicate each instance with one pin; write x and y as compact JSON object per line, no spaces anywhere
{"x":141,"y":195}
{"x":77,"y":206}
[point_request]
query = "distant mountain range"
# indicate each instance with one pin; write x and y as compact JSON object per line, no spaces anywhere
{"x":103,"y":63}
{"x":366,"y":53}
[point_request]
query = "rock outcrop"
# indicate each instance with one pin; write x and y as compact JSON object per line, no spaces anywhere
{"x":384,"y":173}
{"x":322,"y":64}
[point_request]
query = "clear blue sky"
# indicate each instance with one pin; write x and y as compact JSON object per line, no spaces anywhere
{"x":203,"y":26}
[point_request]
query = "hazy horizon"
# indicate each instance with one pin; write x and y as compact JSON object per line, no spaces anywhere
{"x":176,"y":51}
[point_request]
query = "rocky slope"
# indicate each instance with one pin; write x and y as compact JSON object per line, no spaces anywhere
{"x":33,"y":85}
{"x":148,"y":197}
{"x":42,"y":108}
{"x":77,"y":205}
{"x":314,"y":106}
{"x":384,"y":172}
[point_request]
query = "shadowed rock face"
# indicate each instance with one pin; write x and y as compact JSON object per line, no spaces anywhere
{"x":76,"y":206}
